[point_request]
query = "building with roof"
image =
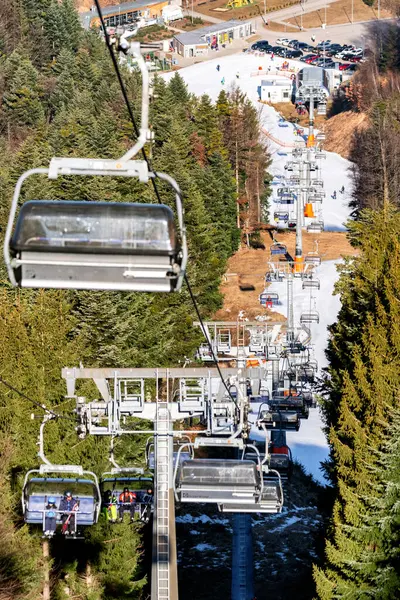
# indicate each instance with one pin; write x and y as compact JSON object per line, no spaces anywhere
{"x":200,"y":41}
{"x":128,"y":12}
{"x":276,"y":90}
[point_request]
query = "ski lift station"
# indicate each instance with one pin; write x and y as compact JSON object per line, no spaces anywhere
{"x":275,"y":90}
{"x":200,"y":41}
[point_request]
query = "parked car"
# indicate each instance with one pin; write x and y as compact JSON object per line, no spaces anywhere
{"x":294,"y":54}
{"x":343,"y":66}
{"x":302,"y":46}
{"x":259,"y":45}
{"x":311,"y":58}
{"x":324,"y":44}
{"x":283,"y":41}
{"x":305,"y":57}
{"x":292,"y":43}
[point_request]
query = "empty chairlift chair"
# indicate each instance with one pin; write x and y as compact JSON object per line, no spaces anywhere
{"x":311,"y":283}
{"x":313,"y":259}
{"x":217,"y":481}
{"x":315,"y":227}
{"x":309,"y":317}
{"x":52,"y":481}
{"x":96,"y":245}
{"x":278,"y":249}
{"x":270,"y":418}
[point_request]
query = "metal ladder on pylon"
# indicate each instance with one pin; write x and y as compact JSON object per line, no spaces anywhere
{"x":242,"y":558}
{"x":162,"y":484}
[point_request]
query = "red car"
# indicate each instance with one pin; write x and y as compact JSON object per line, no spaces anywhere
{"x":343,"y":66}
{"x":311,"y":58}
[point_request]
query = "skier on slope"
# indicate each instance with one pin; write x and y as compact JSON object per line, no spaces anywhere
{"x":218,"y":68}
{"x":334,"y":195}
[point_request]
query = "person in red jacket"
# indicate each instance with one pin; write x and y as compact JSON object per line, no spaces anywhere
{"x":127,"y":501}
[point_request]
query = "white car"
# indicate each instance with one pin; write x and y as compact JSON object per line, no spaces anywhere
{"x":282,"y":41}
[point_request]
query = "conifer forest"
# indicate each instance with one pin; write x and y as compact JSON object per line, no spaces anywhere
{"x":60,"y":97}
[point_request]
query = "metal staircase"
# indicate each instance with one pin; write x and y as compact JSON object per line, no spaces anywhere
{"x":164,"y":570}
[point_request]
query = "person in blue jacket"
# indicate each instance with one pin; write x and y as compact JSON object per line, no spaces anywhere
{"x":70,"y":505}
{"x":50,"y":518}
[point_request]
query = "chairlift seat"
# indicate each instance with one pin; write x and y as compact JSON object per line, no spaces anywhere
{"x":266,"y":297}
{"x":311,"y":284}
{"x":96,"y":245}
{"x":283,"y":420}
{"x":217,"y":481}
{"x":309,"y":317}
{"x":270,"y":501}
{"x":278,"y":249}
{"x":313,"y":259}
{"x":315,"y":227}
{"x":281,"y":215}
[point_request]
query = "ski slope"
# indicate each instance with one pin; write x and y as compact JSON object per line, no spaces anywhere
{"x":309,"y":445}
{"x":203,"y":78}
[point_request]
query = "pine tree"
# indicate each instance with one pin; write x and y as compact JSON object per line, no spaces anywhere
{"x":364,"y":352}
{"x":21,"y":101}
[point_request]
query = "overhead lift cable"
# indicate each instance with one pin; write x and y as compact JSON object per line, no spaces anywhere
{"x":156,"y":190}
{"x":35,"y":402}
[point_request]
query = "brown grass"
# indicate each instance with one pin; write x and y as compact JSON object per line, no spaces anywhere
{"x":340,"y":129}
{"x":249,"y":266}
{"x":246,"y":12}
{"x":288,"y":111}
{"x":84,"y":5}
{"x":339,"y":12}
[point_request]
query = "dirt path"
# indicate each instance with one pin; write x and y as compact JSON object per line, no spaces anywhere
{"x":248,"y":266}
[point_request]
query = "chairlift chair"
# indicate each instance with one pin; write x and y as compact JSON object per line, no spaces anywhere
{"x":177,"y":454}
{"x":309,"y":317}
{"x":268,"y":418}
{"x":52,"y":481}
{"x":117,"y":479}
{"x":277,"y":248}
{"x":216,"y":481}
{"x":281,"y":215}
{"x":267,"y":297}
{"x":98,"y":245}
{"x":313,"y":259}
{"x":311,"y":283}
{"x":95,"y":246}
{"x":315,"y":227}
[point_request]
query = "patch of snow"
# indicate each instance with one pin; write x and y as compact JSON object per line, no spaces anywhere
{"x":194,"y":532}
{"x":201,"y":519}
{"x":204,"y":547}
{"x":288,"y":523}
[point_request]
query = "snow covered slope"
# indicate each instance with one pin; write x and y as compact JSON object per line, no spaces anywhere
{"x":309,"y":444}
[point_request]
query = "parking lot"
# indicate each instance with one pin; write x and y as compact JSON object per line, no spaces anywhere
{"x":325,"y":54}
